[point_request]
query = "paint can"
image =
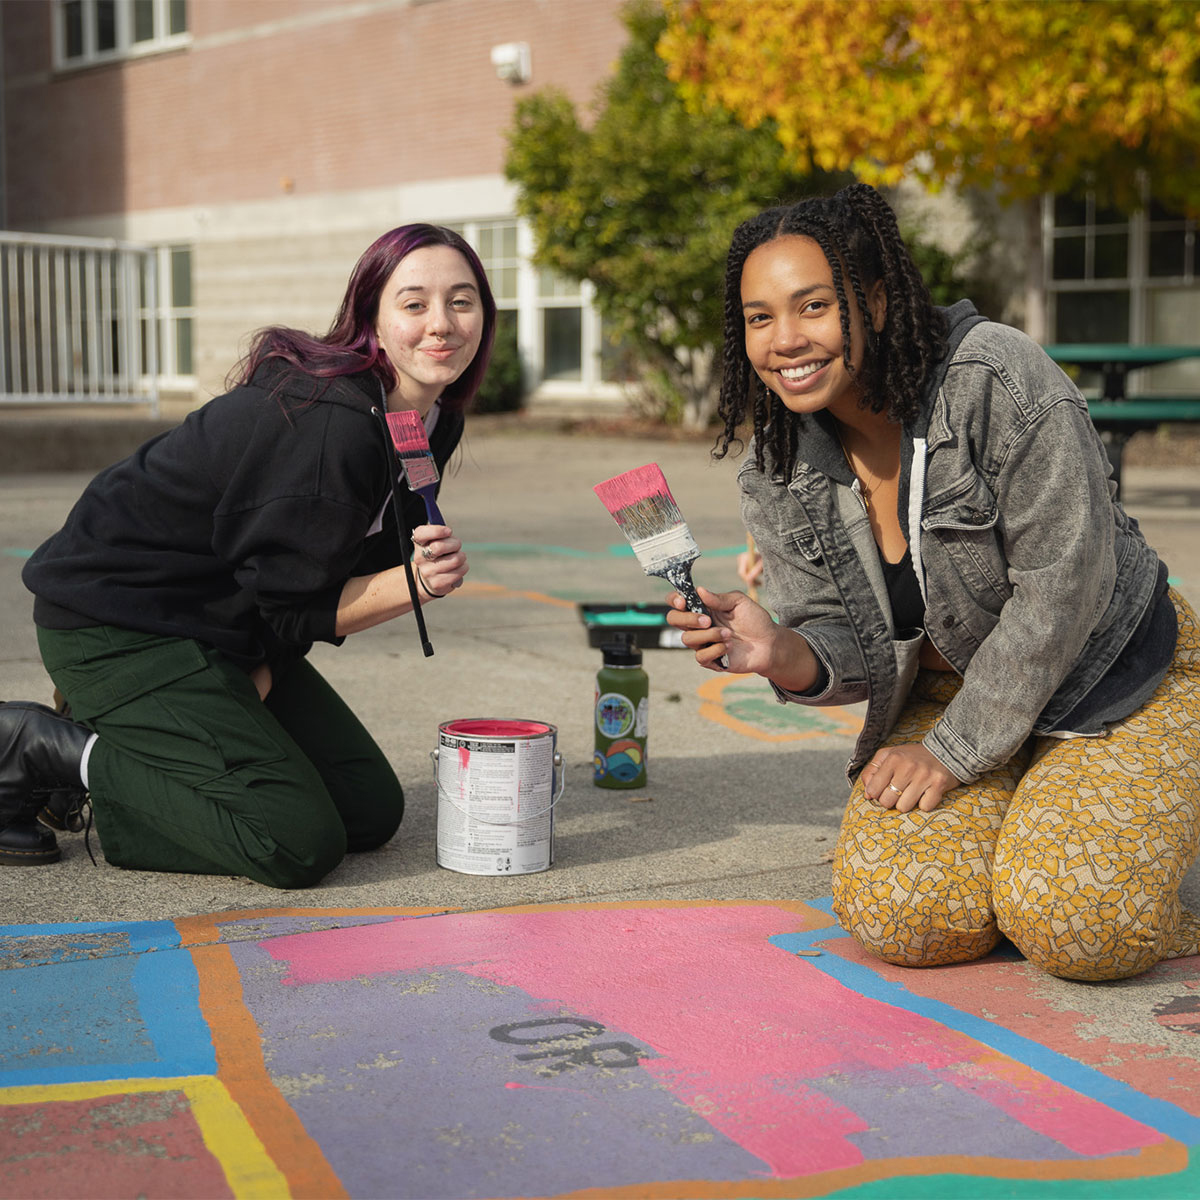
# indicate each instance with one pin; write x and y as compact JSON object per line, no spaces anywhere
{"x":496,"y":795}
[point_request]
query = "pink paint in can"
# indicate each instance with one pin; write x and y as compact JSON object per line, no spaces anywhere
{"x":496,"y":795}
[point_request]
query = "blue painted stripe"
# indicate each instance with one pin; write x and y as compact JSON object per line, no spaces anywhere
{"x":137,"y":1019}
{"x":142,"y":935}
{"x":1167,"y":1118}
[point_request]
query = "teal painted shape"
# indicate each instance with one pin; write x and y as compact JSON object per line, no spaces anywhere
{"x":1178,"y":1186}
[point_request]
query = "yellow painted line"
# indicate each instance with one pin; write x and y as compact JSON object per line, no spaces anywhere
{"x":248,"y":1168}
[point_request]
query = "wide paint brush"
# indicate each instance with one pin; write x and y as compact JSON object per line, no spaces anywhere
{"x":392,"y":450}
{"x":642,"y":505}
{"x":416,"y":458}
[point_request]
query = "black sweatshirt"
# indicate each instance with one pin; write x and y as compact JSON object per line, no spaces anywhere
{"x":240,"y":526}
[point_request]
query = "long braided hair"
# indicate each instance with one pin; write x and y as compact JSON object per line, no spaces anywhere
{"x":857,"y":231}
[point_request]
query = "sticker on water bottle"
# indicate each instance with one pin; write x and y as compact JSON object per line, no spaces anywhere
{"x":614,"y":715}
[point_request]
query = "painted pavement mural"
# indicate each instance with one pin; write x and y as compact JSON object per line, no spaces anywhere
{"x":601,"y":1050}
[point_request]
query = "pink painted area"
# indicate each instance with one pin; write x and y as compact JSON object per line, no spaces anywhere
{"x":1018,"y":997}
{"x":495,"y":727}
{"x":744,"y":1032}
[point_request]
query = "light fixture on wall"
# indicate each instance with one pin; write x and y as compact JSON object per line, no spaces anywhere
{"x":511,"y":61}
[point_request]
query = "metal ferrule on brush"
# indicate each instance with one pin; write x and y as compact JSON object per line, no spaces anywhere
{"x":661,"y":551}
{"x":420,"y":469}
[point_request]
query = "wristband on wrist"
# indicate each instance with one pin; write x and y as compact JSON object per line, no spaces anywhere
{"x":425,"y":587}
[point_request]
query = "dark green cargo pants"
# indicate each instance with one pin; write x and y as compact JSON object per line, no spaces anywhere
{"x":192,"y":772}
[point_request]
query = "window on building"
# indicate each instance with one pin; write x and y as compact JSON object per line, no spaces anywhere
{"x":1118,"y":278}
{"x":95,"y":31}
{"x":173,"y":312}
{"x":561,"y":305}
{"x":555,"y":323}
{"x":496,"y":244}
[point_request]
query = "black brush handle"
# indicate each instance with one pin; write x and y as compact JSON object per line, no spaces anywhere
{"x":680,"y":576}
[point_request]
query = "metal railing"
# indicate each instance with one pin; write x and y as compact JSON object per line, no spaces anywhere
{"x":78,"y":320}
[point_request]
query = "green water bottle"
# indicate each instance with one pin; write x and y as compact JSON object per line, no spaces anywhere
{"x":622,"y":714}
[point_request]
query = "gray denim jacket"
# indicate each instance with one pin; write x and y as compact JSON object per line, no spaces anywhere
{"x":1034,"y":577}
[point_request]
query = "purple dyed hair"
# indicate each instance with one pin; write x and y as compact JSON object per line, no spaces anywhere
{"x":350,"y":345}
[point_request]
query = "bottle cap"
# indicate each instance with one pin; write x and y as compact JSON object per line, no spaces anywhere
{"x":621,"y":652}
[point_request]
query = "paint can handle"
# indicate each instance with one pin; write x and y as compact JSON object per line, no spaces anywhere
{"x":562,"y":785}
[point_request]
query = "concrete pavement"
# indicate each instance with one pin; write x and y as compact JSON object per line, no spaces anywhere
{"x":648,"y":891}
{"x":734,"y":808}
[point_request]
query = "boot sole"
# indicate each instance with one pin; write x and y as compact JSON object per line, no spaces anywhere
{"x":29,"y":858}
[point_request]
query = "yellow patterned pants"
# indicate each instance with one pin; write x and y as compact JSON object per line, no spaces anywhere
{"x":1074,"y":849}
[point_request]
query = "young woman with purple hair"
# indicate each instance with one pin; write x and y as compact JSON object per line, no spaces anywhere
{"x":176,"y":606}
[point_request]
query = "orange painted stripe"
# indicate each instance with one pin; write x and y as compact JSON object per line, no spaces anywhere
{"x":471,"y":588}
{"x":205,"y":928}
{"x":238,"y":1046}
{"x":713,"y":709}
{"x":240,"y":1067}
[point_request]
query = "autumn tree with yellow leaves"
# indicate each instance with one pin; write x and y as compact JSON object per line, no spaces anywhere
{"x":1021,"y":97}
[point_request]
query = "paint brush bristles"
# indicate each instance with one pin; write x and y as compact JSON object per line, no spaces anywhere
{"x":416,"y":459}
{"x":642,"y":506}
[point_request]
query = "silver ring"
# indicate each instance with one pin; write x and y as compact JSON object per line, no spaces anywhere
{"x":427,"y":553}
{"x":893,"y":788}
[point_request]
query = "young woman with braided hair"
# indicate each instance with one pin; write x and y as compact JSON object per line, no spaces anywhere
{"x":940,"y":538}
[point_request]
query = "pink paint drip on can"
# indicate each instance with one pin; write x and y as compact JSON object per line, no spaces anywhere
{"x":496,"y":795}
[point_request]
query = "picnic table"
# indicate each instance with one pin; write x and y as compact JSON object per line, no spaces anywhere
{"x":1115,"y":360}
{"x":1115,"y":414}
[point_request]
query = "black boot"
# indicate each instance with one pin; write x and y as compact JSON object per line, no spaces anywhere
{"x":40,"y":755}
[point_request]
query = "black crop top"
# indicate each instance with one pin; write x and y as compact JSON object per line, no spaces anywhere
{"x":908,"y":605}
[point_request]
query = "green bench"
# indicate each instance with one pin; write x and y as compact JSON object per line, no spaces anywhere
{"x":1118,"y":420}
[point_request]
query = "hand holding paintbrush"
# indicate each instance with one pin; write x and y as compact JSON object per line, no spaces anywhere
{"x":642,"y":505}
{"x":406,"y":432}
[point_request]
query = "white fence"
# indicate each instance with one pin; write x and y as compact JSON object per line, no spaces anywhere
{"x":78,"y":321}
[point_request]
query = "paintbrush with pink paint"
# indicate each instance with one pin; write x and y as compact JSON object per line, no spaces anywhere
{"x":389,"y":433}
{"x":416,"y":459}
{"x":642,"y":505}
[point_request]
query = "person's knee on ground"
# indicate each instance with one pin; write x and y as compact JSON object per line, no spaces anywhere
{"x":1074,"y":922}
{"x":291,"y":867}
{"x":911,"y":909}
{"x":1090,"y":938}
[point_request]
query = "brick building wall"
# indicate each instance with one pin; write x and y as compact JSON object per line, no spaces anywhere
{"x":282,"y":139}
{"x":301,"y":97}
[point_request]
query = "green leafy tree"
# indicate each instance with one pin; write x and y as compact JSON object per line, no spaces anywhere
{"x":642,"y":201}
